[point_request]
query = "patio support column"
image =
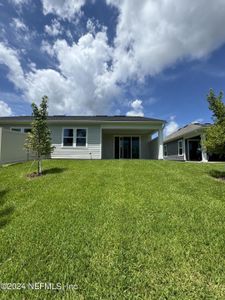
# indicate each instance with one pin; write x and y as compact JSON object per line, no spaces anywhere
{"x":184,"y":149}
{"x":204,"y":152}
{"x":160,"y":144}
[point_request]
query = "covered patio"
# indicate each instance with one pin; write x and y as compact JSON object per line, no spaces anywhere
{"x":132,"y":143}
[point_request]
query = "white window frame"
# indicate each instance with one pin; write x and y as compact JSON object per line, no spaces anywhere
{"x":67,"y":137}
{"x":16,"y":129}
{"x":21,"y":129}
{"x":81,"y":137}
{"x":165,"y":151}
{"x":75,"y":137}
{"x":182,"y":147}
{"x":26,"y":128}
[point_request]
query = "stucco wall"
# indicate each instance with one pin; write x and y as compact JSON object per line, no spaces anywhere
{"x":12,"y":146}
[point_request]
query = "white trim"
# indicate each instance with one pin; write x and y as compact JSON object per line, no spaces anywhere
{"x":86,"y":145}
{"x":18,"y":129}
{"x":178,"y":147}
{"x":189,"y":135}
{"x":203,"y":148}
{"x":26,"y":128}
{"x":101,"y":142}
{"x":127,"y":135}
{"x":160,"y":144}
{"x":74,"y":138}
{"x":155,"y":122}
{"x":149,"y":128}
{"x":62,"y":144}
{"x":21,"y":129}
{"x":184,"y":149}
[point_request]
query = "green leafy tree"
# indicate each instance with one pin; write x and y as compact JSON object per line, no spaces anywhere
{"x":215,"y":134}
{"x":39,"y":139}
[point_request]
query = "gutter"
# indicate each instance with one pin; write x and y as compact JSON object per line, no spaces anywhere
{"x":83,"y":121}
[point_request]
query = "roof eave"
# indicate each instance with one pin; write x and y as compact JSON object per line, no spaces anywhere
{"x":16,"y":121}
{"x":196,"y":131}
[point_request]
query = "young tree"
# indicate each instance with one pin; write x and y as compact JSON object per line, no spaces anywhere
{"x":215,"y":134}
{"x":39,"y":139}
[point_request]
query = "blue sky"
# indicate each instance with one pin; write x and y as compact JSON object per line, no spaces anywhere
{"x":152,"y":58}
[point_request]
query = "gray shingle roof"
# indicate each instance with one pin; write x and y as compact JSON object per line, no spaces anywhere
{"x":188,"y":129}
{"x":83,"y":118}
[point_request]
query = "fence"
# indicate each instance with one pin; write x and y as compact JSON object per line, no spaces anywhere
{"x":12,"y":146}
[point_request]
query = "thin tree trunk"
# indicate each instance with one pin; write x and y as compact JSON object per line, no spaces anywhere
{"x":39,"y":167}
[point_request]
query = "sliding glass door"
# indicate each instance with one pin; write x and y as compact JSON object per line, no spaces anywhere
{"x":135,"y":147}
{"x":127,"y":147}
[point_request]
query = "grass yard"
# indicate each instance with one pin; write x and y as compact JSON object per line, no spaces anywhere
{"x":116,"y":229}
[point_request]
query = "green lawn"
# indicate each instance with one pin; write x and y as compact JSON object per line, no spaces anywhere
{"x":116,"y":229}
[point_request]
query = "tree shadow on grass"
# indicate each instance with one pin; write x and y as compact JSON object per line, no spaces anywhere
{"x":54,"y":171}
{"x":5,"y":212}
{"x":217,"y":174}
{"x":46,"y":172}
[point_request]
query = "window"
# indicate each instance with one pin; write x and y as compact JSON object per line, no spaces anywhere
{"x":81,"y":137}
{"x":74,"y":137}
{"x":165,"y":150}
{"x":21,"y":129}
{"x":180,"y":147}
{"x":17,"y":129}
{"x":68,"y":137}
{"x":135,"y":147}
{"x":26,"y":130}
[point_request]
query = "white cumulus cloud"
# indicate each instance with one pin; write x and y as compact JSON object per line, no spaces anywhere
{"x":153,"y":35}
{"x":54,"y":29}
{"x":171,"y":126}
{"x":64,"y":9}
{"x":9,"y":57}
{"x":47,"y":48}
{"x":19,"y":24}
{"x":82,"y":83}
{"x":5,"y":110}
{"x":89,"y":74}
{"x":19,"y":2}
{"x":137,"y":108}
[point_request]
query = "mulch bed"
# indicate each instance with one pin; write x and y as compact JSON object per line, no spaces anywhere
{"x":33,"y":175}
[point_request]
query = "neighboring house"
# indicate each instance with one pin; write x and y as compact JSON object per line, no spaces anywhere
{"x":98,"y":137}
{"x":186,"y":143}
